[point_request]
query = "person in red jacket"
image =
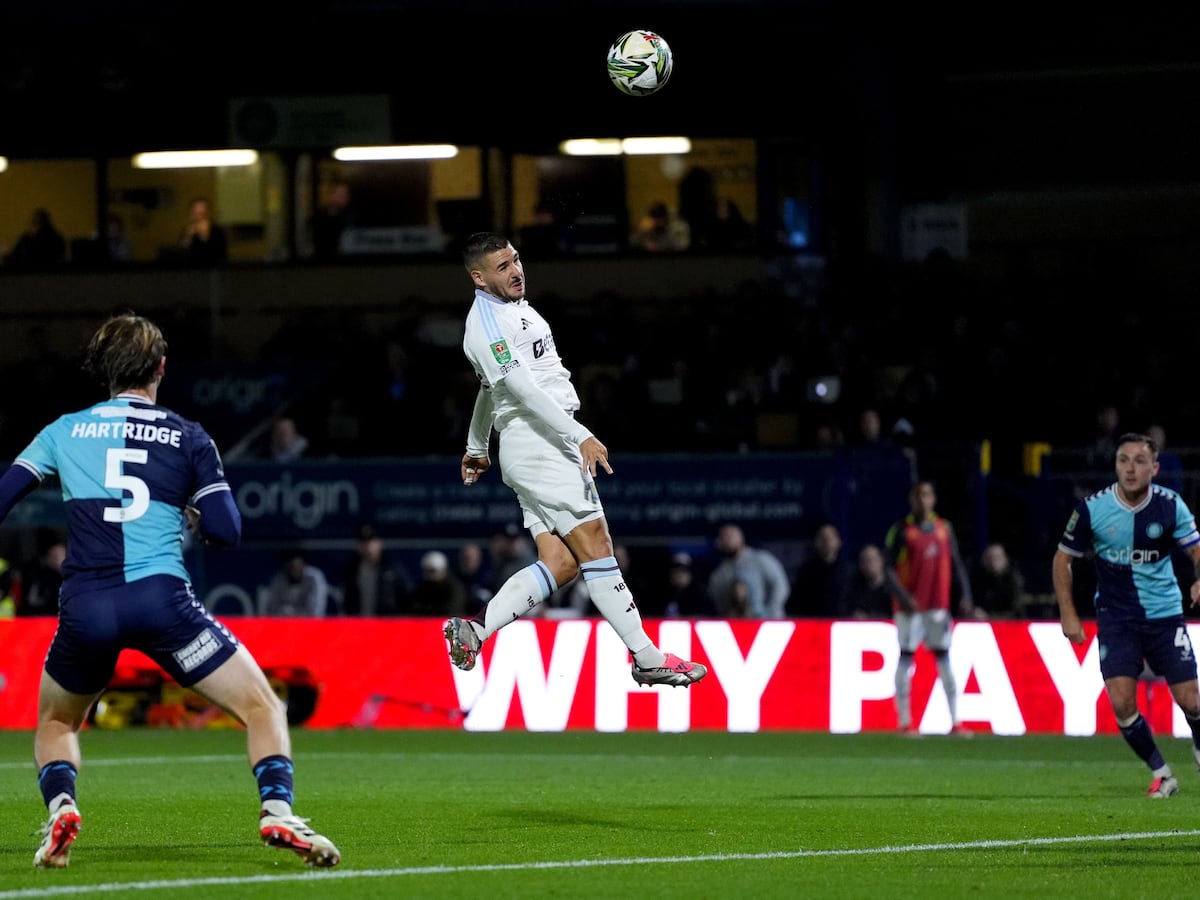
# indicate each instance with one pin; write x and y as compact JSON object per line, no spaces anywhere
{"x":923,"y":564}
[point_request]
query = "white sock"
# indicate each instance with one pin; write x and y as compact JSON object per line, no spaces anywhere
{"x":606,"y":586}
{"x":949,"y":686}
{"x":277,"y":808}
{"x":903,"y":688}
{"x":524,"y":590}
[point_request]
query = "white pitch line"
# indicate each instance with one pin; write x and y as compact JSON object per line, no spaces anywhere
{"x":524,"y":758}
{"x":344,"y":874}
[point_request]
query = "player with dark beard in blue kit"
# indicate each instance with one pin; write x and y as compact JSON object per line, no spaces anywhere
{"x":133,"y":475}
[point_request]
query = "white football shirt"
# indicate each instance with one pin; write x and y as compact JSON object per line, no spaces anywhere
{"x":501,"y":337}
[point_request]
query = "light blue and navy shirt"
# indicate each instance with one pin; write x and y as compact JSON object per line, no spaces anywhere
{"x":127,"y":468}
{"x":1133,"y":545}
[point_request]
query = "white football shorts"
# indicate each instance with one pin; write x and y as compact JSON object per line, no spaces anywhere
{"x":547,"y":475}
{"x":932,"y":626}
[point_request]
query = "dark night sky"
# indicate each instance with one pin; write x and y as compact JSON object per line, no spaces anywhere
{"x":989,"y":93}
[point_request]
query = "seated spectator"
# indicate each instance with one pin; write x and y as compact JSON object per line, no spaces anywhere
{"x":1170,"y":466}
{"x":730,"y":229}
{"x":868,"y":595}
{"x":1102,"y":452}
{"x":475,"y":574}
{"x":287,"y":444}
{"x":202,"y":241}
{"x":439,"y":592}
{"x":117,"y":247}
{"x":545,"y":236}
{"x":749,"y":582}
{"x":820,"y":587}
{"x":40,"y":583}
{"x":510,"y":550}
{"x":685,"y":594}
{"x":997,"y":587}
{"x":10,"y":589}
{"x":330,"y":220}
{"x":372,"y":585}
{"x":41,"y":246}
{"x":297,"y":588}
{"x":660,"y":231}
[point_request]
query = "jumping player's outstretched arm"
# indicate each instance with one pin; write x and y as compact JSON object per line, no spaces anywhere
{"x":538,"y":403}
{"x":541,"y":405}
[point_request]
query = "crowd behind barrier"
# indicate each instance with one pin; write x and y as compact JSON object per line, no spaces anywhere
{"x":924,"y":363}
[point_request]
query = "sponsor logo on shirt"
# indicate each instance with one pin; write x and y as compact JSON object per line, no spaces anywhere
{"x":501,"y":352}
{"x":1129,"y":556}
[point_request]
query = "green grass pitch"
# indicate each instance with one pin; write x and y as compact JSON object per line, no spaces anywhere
{"x":635,"y":815}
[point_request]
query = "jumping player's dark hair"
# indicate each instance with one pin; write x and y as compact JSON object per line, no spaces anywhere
{"x":480,"y":245}
{"x":125,"y":352}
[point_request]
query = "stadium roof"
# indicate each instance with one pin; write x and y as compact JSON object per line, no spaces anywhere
{"x":1075,"y":93}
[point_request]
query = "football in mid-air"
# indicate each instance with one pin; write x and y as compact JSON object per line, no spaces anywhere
{"x":639,"y":62}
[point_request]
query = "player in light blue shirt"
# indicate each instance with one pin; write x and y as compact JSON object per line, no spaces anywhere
{"x":133,"y":475}
{"x":1133,"y":526}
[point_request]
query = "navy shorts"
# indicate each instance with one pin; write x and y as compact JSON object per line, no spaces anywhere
{"x":1162,"y":643}
{"x":159,"y":616}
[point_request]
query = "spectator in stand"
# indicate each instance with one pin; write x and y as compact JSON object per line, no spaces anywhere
{"x":997,"y":587}
{"x":1103,"y":448}
{"x":372,"y":584}
{"x":869,"y":595}
{"x":545,"y":235}
{"x":749,"y":582}
{"x":439,"y":592}
{"x":117,"y":247}
{"x":510,"y":552}
{"x":475,"y":575}
{"x":331,"y":218}
{"x":10,"y":589}
{"x":698,"y":206}
{"x":823,"y":579}
{"x":686,"y":596}
{"x":660,"y":231}
{"x":871,"y":442}
{"x":287,"y":444}
{"x":41,"y":582}
{"x":41,"y":246}
{"x":297,"y":588}
{"x":202,"y":242}
{"x":730,"y":229}
{"x":1170,"y":466}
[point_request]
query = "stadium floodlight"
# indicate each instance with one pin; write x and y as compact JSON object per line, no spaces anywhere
{"x":640,"y":146}
{"x":591,"y":147}
{"x":194,"y":159}
{"x":655,"y":145}
{"x":406,"y":151}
